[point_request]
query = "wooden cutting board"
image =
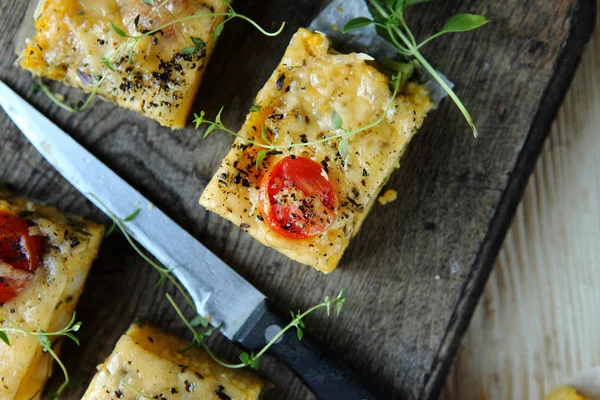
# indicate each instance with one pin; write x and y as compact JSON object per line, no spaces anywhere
{"x":415,"y":271}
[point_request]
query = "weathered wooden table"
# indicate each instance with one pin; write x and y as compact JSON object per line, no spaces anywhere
{"x":414,"y":273}
{"x":537,"y":324}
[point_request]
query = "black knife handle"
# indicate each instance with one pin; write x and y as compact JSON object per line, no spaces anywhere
{"x":327,"y":377}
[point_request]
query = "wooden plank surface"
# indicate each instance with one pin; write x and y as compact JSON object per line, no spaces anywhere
{"x":413,"y":274}
{"x":538,"y":322}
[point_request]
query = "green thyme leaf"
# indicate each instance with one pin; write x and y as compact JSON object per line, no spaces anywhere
{"x":199,"y":43}
{"x":218,"y":117}
{"x":218,"y":30}
{"x":254,"y":108}
{"x":132,"y":216}
{"x":254,"y":361}
{"x":4,"y":338}
{"x":263,"y":134}
{"x":199,"y":119}
{"x":260,"y":157}
{"x":336,"y":120}
{"x":118,"y":30}
{"x":107,"y":64}
{"x":198,"y":320}
{"x":209,"y":130}
{"x":299,"y":332}
{"x":245,"y":358}
{"x":463,"y":23}
{"x":148,"y":2}
{"x":343,"y":147}
{"x":357,"y":23}
{"x":189,"y":51}
{"x":35,"y":88}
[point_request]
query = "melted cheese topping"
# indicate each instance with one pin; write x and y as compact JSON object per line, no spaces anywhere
{"x":149,"y":361}
{"x":48,"y":300}
{"x":297,"y":103}
{"x":73,"y":36}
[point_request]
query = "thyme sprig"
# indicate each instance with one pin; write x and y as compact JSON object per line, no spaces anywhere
{"x":164,"y":272}
{"x":46,"y":340}
{"x":388,"y":17}
{"x":337,"y":129}
{"x":128,"y":46}
{"x":251,"y":359}
{"x":198,"y":325}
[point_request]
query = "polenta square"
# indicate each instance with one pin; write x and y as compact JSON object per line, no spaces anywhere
{"x":148,"y":362}
{"x":307,"y":201}
{"x":83,"y":42}
{"x":45,"y":257}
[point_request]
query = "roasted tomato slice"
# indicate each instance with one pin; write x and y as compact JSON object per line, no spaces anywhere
{"x":296,"y":198}
{"x":20,"y":253}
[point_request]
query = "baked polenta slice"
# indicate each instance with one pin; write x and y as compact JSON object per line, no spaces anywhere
{"x":45,"y":257}
{"x":308,"y":201}
{"x":148,"y":361}
{"x":158,"y":76}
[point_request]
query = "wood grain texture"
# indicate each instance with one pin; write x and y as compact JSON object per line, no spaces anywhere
{"x":538,"y":323}
{"x":401,"y":326}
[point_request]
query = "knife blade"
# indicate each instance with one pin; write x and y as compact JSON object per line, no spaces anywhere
{"x":221,"y":295}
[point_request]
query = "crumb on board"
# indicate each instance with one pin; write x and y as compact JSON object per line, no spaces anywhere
{"x":340,"y":9}
{"x":335,"y":28}
{"x":565,"y":393}
{"x":387,"y":197}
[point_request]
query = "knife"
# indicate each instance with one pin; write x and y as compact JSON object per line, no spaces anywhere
{"x":228,"y":301}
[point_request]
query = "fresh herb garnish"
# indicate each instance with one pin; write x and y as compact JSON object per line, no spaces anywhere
{"x":250,"y":359}
{"x":198,"y":325}
{"x":46,"y":340}
{"x":164,"y":273}
{"x":336,"y":127}
{"x":388,"y":17}
{"x":128,"y":47}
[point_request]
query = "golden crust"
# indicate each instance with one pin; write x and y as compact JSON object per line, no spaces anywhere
{"x":73,"y":37}
{"x":308,"y":85}
{"x":150,"y":361}
{"x":48,"y":300}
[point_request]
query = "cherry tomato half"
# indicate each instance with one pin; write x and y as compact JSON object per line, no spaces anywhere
{"x":7,"y":292}
{"x":296,"y":198}
{"x":20,"y":251}
{"x":17,"y":247}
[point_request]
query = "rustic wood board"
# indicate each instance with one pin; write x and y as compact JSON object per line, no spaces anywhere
{"x":401,"y":326}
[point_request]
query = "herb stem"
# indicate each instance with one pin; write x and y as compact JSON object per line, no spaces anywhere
{"x":43,"y":339}
{"x":64,"y":385}
{"x":219,"y":361}
{"x":200,"y":120}
{"x":179,"y":313}
{"x":450,"y":92}
{"x":415,"y":53}
{"x":260,"y":29}
{"x":155,"y":30}
{"x":53,"y":97}
{"x":293,"y":324}
{"x":164,"y":272}
{"x":405,"y":26}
